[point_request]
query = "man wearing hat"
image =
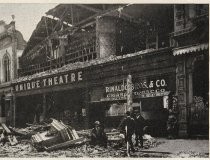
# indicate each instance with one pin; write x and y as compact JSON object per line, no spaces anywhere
{"x":98,"y":136}
{"x":139,"y":125}
{"x":127,"y":126}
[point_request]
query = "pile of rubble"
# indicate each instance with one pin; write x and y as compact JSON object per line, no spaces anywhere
{"x":55,"y":139}
{"x":149,"y":141}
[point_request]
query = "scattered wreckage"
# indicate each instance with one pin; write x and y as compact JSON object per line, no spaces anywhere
{"x":7,"y":135}
{"x":57,"y":135}
{"x":51,"y":136}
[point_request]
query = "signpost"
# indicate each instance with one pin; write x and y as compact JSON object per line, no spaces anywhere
{"x":129,"y":93}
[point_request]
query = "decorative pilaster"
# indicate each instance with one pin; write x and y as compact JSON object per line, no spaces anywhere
{"x":182,"y":99}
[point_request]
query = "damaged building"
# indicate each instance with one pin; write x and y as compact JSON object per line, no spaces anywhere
{"x":12,"y":45}
{"x":78,"y":59}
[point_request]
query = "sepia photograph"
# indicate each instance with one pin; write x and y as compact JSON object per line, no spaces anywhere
{"x":104,"y":80}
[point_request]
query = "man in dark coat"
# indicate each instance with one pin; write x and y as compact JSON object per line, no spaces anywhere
{"x":127,"y":126}
{"x":98,"y":136}
{"x":139,"y":126}
{"x":172,"y":126}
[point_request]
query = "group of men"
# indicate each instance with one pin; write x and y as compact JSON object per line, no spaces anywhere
{"x":129,"y":126}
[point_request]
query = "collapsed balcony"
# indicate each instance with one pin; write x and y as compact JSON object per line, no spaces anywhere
{"x":98,"y":36}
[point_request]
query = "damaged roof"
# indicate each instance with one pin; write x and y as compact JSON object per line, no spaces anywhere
{"x":66,"y":16}
{"x":81,"y":65}
{"x":44,"y":28}
{"x":76,"y":13}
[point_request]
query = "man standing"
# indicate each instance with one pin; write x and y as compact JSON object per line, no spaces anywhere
{"x":139,"y":126}
{"x":127,"y":126}
{"x":171,"y":125}
{"x":98,"y":136}
{"x":38,"y":112}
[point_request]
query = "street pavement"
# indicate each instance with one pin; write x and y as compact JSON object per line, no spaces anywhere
{"x":156,"y":148}
{"x":177,"y":148}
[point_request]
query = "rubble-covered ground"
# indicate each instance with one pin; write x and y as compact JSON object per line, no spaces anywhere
{"x":152,"y":148}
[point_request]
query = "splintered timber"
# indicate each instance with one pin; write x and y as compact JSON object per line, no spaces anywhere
{"x":50,"y":81}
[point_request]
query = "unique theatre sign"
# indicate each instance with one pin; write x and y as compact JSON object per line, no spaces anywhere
{"x":141,"y":87}
{"x":49,"y":81}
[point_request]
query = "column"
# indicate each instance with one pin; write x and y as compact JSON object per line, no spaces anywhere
{"x":182,"y":99}
{"x":105,"y":36}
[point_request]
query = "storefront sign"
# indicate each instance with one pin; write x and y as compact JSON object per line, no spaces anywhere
{"x":142,"y":88}
{"x":50,"y":81}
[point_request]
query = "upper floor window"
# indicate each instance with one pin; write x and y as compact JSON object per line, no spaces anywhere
{"x":7,"y":69}
{"x":202,"y":9}
{"x":55,"y":48}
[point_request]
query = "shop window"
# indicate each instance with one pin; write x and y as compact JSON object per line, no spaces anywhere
{"x":116,"y":110}
{"x":6,"y":64}
{"x":152,"y":104}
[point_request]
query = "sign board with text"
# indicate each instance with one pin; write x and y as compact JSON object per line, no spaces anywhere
{"x":141,"y":87}
{"x":53,"y":80}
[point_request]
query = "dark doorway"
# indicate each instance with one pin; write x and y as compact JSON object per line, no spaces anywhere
{"x":199,"y":113}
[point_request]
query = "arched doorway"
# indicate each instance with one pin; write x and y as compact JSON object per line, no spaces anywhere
{"x":199,"y":112}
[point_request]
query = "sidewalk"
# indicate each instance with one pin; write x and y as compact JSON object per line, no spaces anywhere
{"x":181,"y":148}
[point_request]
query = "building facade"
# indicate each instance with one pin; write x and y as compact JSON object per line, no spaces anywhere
{"x":77,"y":70}
{"x":12,"y":45}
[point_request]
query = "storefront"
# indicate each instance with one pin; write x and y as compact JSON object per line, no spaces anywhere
{"x":98,"y":92}
{"x":151,"y":96}
{"x":59,"y":96}
{"x":153,"y":85}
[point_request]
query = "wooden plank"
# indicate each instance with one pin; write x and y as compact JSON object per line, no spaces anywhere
{"x":65,"y":144}
{"x":6,"y":128}
{"x":12,"y":139}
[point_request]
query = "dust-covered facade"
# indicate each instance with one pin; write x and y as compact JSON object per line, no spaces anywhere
{"x":12,"y":45}
{"x":77,"y":63}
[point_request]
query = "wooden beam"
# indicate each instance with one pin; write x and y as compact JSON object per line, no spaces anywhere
{"x":72,"y":16}
{"x":61,"y":18}
{"x":86,"y":19}
{"x":88,"y":24}
{"x":89,"y":8}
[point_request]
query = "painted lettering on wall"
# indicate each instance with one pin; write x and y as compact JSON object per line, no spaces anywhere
{"x":50,"y":81}
{"x":142,"y":88}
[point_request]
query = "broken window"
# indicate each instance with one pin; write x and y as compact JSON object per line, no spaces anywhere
{"x":6,"y":63}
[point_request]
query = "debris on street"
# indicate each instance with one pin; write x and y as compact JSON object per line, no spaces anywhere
{"x":7,"y":135}
{"x":30,"y":130}
{"x":58,"y":136}
{"x":57,"y":139}
{"x":149,"y":141}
